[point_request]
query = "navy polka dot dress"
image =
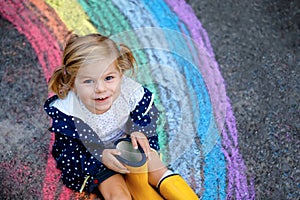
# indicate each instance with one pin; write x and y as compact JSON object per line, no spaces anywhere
{"x":78,"y":149}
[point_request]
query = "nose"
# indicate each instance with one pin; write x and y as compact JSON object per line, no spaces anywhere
{"x":100,"y":86}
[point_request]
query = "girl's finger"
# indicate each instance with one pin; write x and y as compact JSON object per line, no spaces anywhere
{"x":115,"y":152}
{"x":120,"y":167}
{"x":147,"y":150}
{"x":145,"y":146}
{"x":134,"y":142}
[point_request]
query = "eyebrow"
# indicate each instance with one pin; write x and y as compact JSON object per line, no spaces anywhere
{"x":93,"y":76}
{"x":84,"y":76}
{"x":110,"y":73}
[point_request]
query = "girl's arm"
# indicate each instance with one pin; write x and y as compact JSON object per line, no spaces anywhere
{"x":81,"y":165}
{"x":144,"y":119}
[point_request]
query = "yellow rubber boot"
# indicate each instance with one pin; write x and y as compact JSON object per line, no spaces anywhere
{"x":174,"y":187}
{"x":137,"y":180}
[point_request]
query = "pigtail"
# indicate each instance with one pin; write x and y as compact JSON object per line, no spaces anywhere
{"x":126,"y":60}
{"x":59,"y":82}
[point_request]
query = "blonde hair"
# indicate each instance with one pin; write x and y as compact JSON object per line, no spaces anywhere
{"x":81,"y":49}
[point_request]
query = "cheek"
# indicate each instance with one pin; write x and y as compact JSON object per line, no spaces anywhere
{"x":118,"y":87}
{"x":82,"y":93}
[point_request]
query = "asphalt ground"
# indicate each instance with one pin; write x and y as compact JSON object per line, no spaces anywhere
{"x":257,"y":46}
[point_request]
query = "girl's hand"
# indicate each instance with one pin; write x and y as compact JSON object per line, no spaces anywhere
{"x":142,"y":140}
{"x":111,"y":162}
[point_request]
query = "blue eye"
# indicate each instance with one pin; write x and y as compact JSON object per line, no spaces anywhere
{"x":109,"y":78}
{"x":88,"y":81}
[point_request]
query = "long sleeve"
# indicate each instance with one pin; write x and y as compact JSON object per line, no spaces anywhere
{"x":144,"y":119}
{"x":77,"y":151}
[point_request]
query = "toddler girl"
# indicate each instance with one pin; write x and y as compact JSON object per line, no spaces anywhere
{"x":96,"y":105}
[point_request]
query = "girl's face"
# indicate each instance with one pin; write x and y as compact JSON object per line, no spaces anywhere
{"x":98,"y":85}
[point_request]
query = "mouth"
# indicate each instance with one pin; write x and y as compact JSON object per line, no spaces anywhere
{"x":101,"y":99}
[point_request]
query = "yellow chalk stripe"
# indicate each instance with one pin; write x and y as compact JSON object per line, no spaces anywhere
{"x":73,"y":15}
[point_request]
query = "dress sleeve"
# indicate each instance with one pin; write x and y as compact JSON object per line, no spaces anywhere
{"x":144,"y":119}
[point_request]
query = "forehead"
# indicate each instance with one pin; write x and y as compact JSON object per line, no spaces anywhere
{"x":98,"y":67}
{"x":103,"y":52}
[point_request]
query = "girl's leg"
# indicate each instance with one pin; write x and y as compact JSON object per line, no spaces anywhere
{"x":114,"y":188}
{"x":156,"y":169}
{"x":169,"y":185}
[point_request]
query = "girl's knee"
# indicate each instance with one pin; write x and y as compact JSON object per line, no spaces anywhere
{"x":115,"y":188}
{"x":155,"y":176}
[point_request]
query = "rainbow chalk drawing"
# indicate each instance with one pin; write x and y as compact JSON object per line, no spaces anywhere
{"x":197,"y":128}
